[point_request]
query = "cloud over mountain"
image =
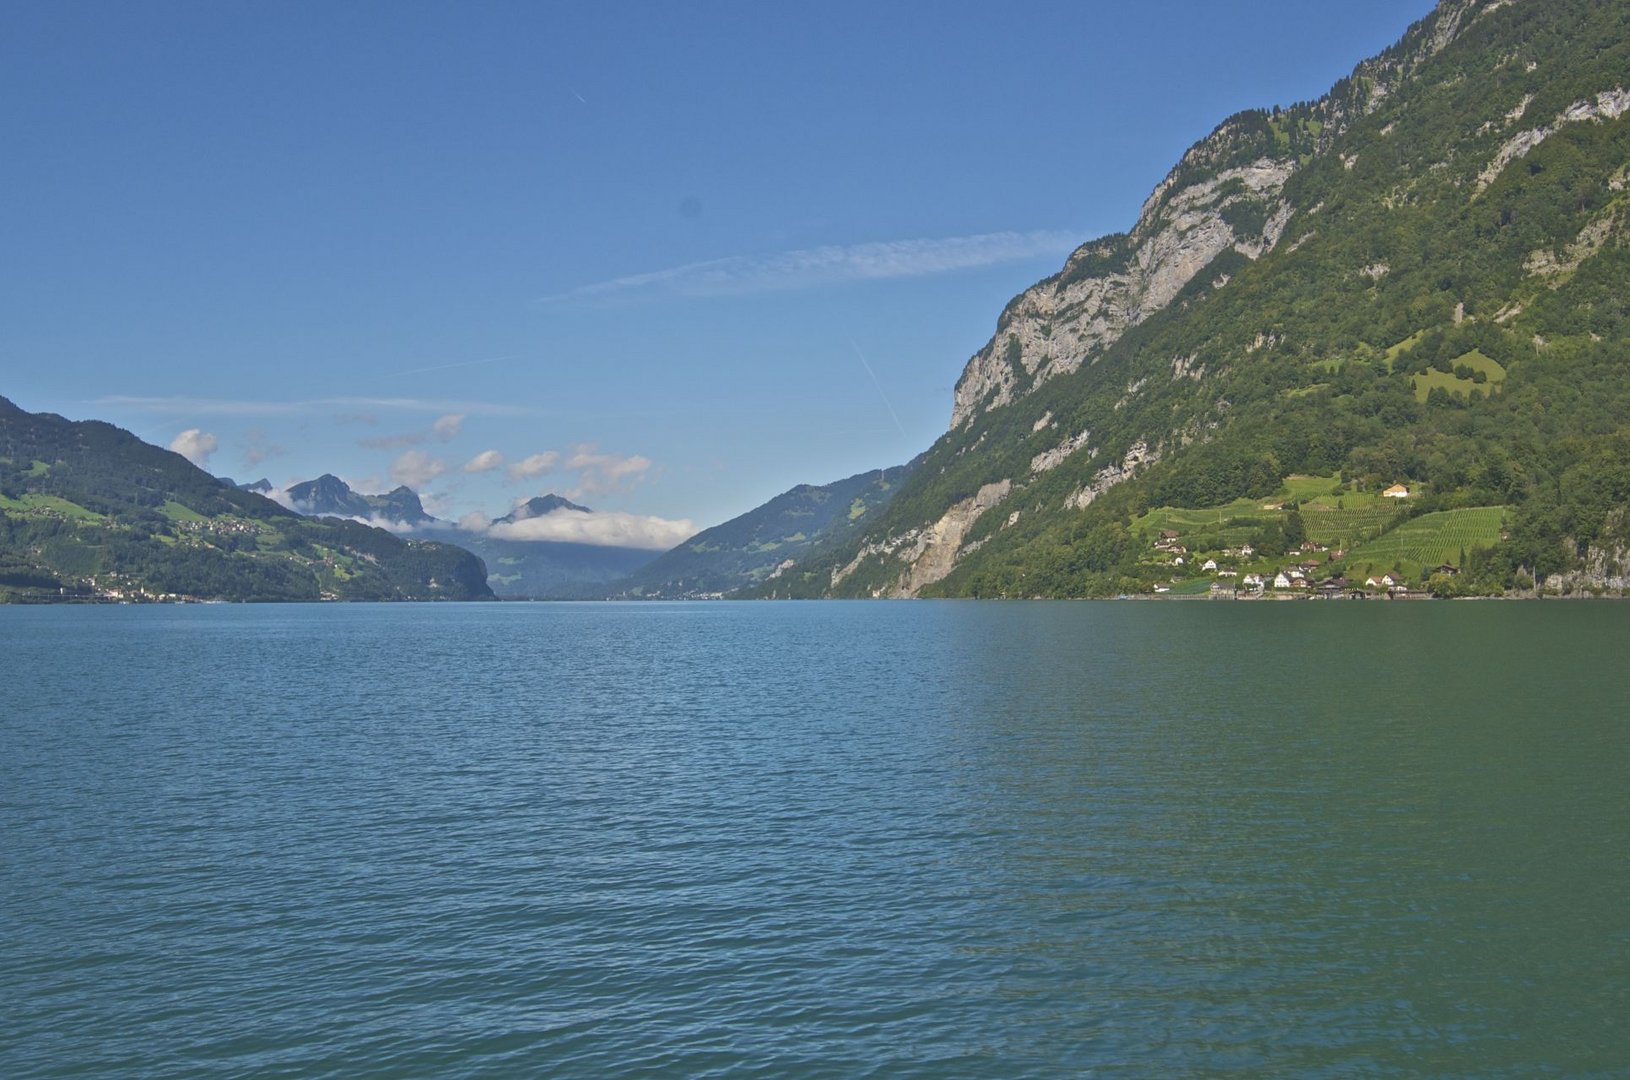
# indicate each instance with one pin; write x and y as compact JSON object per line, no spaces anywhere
{"x":196,"y":445}
{"x":605,"y":528}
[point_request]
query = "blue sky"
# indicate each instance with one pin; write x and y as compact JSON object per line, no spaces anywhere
{"x":669,"y":258}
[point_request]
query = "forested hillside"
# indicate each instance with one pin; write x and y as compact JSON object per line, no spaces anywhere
{"x":89,"y":511}
{"x":1418,"y":281}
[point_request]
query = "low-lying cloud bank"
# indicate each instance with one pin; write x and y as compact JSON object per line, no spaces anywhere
{"x":602,"y":528}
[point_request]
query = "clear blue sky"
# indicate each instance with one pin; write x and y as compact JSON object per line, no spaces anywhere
{"x":311,"y":230}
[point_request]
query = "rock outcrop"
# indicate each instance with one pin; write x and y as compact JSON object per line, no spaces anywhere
{"x":1224,"y":195}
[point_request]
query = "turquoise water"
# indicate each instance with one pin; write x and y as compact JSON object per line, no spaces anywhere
{"x":820,"y":840}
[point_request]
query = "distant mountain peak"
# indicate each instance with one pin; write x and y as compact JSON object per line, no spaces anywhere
{"x":537,"y":507}
{"x":329,"y":496}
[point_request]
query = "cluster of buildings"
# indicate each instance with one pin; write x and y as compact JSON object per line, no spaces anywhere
{"x":219,"y":526}
{"x":1294,"y":578}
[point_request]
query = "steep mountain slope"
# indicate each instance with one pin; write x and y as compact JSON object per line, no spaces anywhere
{"x":88,"y":509}
{"x":1417,"y":278}
{"x":756,"y":546}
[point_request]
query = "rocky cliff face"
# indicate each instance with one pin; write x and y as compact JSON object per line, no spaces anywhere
{"x":1111,"y":285}
{"x":1604,"y":571}
{"x":1223,"y":197}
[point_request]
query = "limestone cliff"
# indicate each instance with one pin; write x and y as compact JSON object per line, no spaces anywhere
{"x":1224,"y":196}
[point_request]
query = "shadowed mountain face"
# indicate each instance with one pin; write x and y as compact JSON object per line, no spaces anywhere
{"x":762,"y":544}
{"x":89,"y":510}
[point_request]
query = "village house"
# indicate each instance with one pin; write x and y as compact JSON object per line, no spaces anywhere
{"x":1209,"y":565}
{"x":1281,"y":580}
{"x":1396,"y":491}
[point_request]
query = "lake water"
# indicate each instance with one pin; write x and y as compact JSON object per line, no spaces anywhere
{"x":817,"y":840}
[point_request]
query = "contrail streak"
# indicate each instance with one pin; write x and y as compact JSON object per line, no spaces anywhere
{"x":879,"y":386}
{"x":444,"y":367}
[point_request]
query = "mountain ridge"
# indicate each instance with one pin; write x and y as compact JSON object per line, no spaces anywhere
{"x":1453,"y":211}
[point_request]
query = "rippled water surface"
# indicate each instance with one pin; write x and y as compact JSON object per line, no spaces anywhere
{"x":915,"y":839}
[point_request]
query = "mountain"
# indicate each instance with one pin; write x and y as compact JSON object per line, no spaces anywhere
{"x":517,"y":569}
{"x":763,"y":543}
{"x":329,"y":496}
{"x":1417,"y":280}
{"x":262,"y":486}
{"x":538,"y":507}
{"x":88,"y":510}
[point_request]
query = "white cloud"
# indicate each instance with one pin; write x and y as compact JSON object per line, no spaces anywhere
{"x":809,"y":267}
{"x":280,"y":496}
{"x":601,"y":528}
{"x":436,"y":503}
{"x":535,"y":465}
{"x":474,"y":521}
{"x":447,"y":427}
{"x":599,"y":472}
{"x":196,"y":445}
{"x":416,"y":468}
{"x":485,"y":461}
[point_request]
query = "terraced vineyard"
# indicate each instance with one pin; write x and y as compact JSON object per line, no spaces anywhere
{"x":1328,"y":525}
{"x":1244,"y":514}
{"x":1429,"y":540}
{"x":1330,"y":514}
